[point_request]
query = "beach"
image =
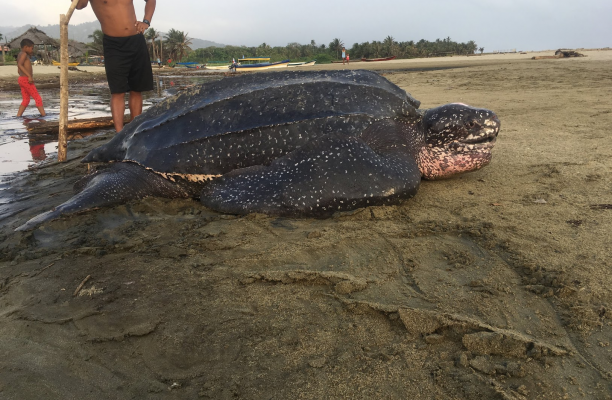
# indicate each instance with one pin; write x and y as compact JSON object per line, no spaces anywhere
{"x":491,"y":285}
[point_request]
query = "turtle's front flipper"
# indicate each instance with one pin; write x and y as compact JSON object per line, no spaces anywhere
{"x":118,"y":184}
{"x":326,"y":175}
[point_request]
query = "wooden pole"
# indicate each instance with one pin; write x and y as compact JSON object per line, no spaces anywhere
{"x":63,"y":119}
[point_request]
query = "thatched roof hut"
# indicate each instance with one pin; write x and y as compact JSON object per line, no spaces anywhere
{"x":77,"y":49}
{"x":39,"y":38}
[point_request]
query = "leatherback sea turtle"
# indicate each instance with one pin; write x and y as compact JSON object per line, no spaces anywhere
{"x":286,"y":143}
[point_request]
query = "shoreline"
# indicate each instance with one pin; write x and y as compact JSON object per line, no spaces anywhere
{"x":48,"y":76}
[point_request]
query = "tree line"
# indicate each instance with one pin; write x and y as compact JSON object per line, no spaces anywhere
{"x":175,"y":45}
{"x":332,"y":51}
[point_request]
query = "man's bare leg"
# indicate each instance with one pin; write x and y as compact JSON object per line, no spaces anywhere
{"x":21,"y":110}
{"x":117,"y":106}
{"x":135,"y":103}
{"x":41,"y":110}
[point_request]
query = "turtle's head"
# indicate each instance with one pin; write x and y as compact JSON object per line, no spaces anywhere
{"x":458,"y":138}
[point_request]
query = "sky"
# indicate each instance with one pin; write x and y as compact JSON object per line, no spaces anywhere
{"x":496,"y":25}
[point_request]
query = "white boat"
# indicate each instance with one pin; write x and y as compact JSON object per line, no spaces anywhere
{"x":218,"y":67}
{"x":257,"y":64}
{"x":302,"y":64}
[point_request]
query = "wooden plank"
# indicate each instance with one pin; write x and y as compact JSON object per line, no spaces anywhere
{"x":52,"y":127}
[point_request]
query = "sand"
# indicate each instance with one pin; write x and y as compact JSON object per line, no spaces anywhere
{"x":492,"y":285}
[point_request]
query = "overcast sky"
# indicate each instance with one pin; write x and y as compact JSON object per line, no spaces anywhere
{"x":492,"y":24}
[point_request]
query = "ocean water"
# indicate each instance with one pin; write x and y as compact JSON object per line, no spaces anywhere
{"x":20,"y":151}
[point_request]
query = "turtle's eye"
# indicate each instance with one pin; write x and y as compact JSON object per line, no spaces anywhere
{"x":471,"y":124}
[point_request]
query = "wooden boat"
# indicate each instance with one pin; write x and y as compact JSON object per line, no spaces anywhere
{"x":379,"y":59}
{"x":191,"y":64}
{"x":258,"y":66}
{"x":74,"y":64}
{"x":218,"y":67}
{"x":302,"y":64}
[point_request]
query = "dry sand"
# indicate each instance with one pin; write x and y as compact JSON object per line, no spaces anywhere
{"x":492,"y":285}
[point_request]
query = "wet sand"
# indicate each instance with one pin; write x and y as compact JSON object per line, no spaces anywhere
{"x":492,"y":285}
{"x":47,"y":77}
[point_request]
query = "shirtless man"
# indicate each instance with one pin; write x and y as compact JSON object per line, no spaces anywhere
{"x":126,"y":56}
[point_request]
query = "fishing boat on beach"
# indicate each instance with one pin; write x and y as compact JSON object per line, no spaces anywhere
{"x":379,"y":59}
{"x":218,"y":67}
{"x":192,"y":64}
{"x":257,"y":64}
{"x":73,"y":64}
{"x":302,"y":64}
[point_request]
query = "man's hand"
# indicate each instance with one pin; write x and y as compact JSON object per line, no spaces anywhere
{"x":141,"y":26}
{"x":30,"y":79}
{"x":81,"y":4}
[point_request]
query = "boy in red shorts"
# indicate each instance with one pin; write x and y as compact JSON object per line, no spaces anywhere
{"x":26,"y":78}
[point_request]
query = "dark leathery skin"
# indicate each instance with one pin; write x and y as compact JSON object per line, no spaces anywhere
{"x":328,"y":175}
{"x":235,"y":122}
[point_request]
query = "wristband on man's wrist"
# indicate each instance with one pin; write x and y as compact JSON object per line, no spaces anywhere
{"x":146,"y":21}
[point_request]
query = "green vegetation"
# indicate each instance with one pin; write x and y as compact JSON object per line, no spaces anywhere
{"x":175,"y":45}
{"x":153,"y":35}
{"x":326,"y":54}
{"x":2,"y":53}
{"x":96,"y":46}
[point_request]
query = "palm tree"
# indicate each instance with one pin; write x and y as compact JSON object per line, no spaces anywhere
{"x":293,"y":50}
{"x":337,"y":45}
{"x":161,"y":50}
{"x":389,"y":44}
{"x":97,"y":44}
{"x":152,"y":35}
{"x":377,"y":48}
{"x":178,"y":43}
{"x":471,"y":47}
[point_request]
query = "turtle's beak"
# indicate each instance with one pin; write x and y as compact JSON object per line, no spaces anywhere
{"x":493,"y":123}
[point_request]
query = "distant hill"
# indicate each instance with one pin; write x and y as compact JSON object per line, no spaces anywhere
{"x":81,"y":32}
{"x":201,"y":44}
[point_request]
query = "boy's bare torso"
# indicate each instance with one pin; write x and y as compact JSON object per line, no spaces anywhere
{"x":23,"y":61}
{"x":117,"y":17}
